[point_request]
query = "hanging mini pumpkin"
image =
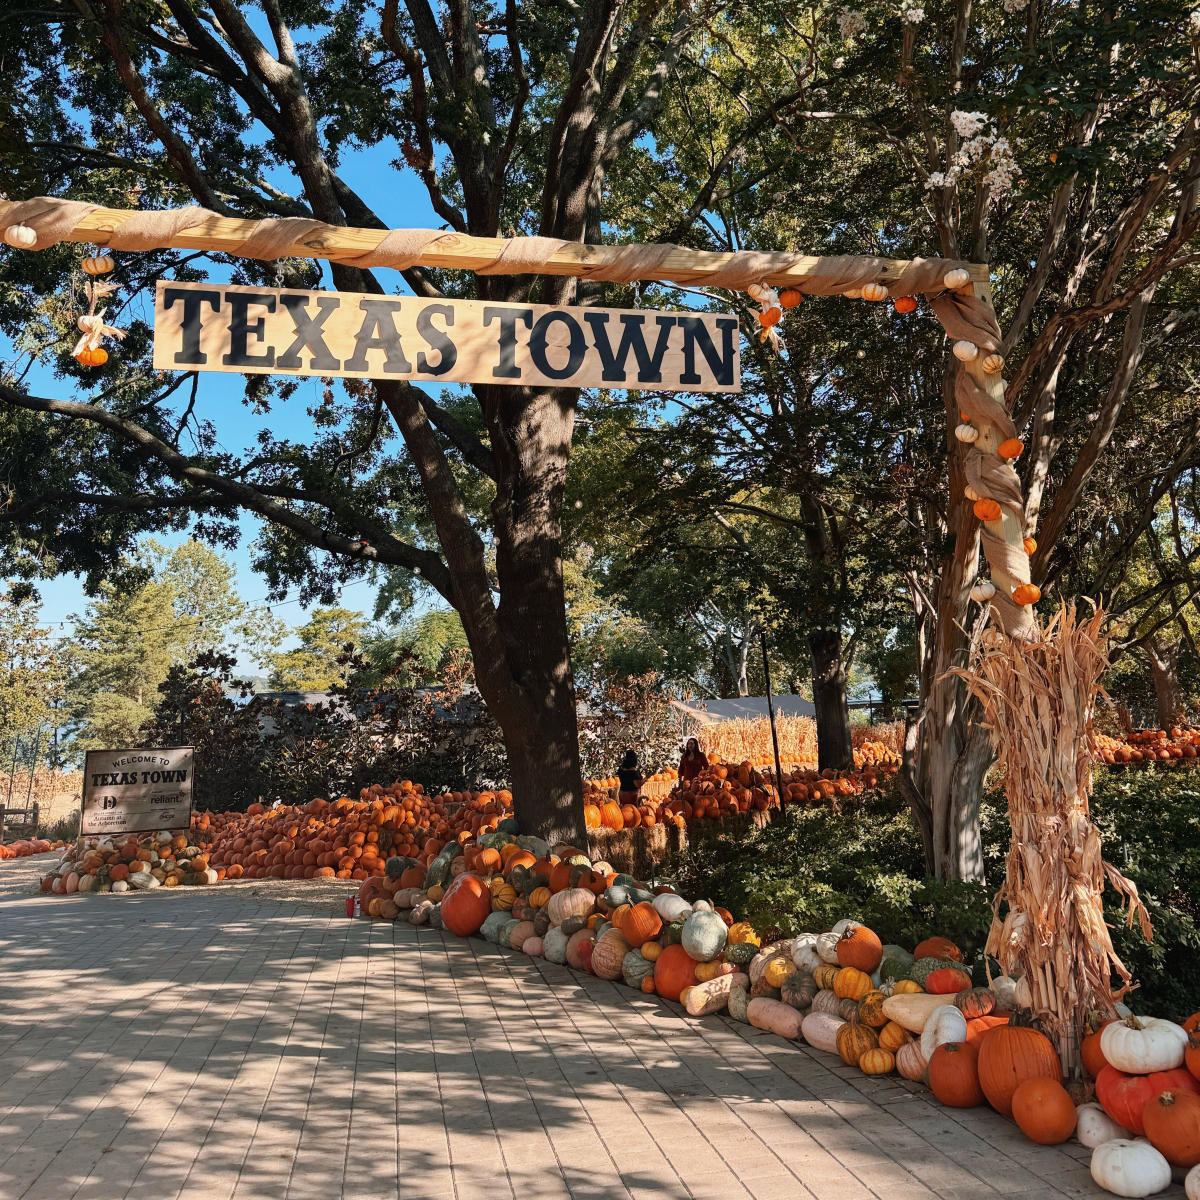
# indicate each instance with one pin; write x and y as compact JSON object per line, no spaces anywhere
{"x":905,"y":304}
{"x":1010,"y":448}
{"x":789,"y":298}
{"x":987,"y":510}
{"x":983,"y":591}
{"x":966,"y":432}
{"x":100,"y":264}
{"x":993,"y":364}
{"x":874,"y":291}
{"x":1030,"y":545}
{"x":1026,"y":593}
{"x":966,"y":351}
{"x":20,"y":236}
{"x":92,"y":358}
{"x":972,"y":495}
{"x":956,"y":278}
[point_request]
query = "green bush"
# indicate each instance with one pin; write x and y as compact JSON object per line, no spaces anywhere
{"x":815,"y":866}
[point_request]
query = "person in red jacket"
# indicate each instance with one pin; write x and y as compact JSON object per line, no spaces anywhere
{"x":692,"y":762}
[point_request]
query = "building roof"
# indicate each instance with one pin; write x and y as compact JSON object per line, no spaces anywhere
{"x":709,"y":712}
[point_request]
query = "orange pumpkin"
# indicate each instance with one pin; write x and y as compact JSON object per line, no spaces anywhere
{"x":641,"y":924}
{"x":954,"y":1075}
{"x":1089,"y":1051}
{"x":1044,"y":1111}
{"x":674,"y":970}
{"x":466,"y":904}
{"x":1191,"y":1056}
{"x":1172,"y":1123}
{"x":1011,"y":1054}
{"x":938,"y":947}
{"x":860,"y":947}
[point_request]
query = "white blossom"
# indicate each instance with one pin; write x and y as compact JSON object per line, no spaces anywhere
{"x":838,"y":63}
{"x":966,"y":124}
{"x":851,"y":23}
{"x":1015,"y":6}
{"x":913,"y":16}
{"x":1194,"y":22}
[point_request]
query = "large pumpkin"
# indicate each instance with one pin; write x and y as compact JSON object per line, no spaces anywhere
{"x":1172,"y":1121}
{"x":954,"y":1075}
{"x":1124,"y":1097}
{"x":608,"y":954}
{"x":1011,"y":1054}
{"x":860,"y":947}
{"x":466,"y":905}
{"x":674,"y":970}
{"x":641,"y":923}
{"x":938,"y":947}
{"x":704,"y":936}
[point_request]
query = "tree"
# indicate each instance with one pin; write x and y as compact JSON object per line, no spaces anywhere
{"x":208,"y":605}
{"x":415,"y":655}
{"x":124,"y":646}
{"x":31,"y":671}
{"x":321,"y":661}
{"x":511,"y":116}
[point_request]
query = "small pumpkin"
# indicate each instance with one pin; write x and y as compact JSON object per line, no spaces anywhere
{"x":853,"y":1041}
{"x":893,"y":1036}
{"x":778,"y":968}
{"x":1094,"y":1127}
{"x":910,"y":1062}
{"x":852,"y":984}
{"x":870,"y":1009}
{"x":975,"y":1002}
{"x":948,"y":981}
{"x":877,"y":1062}
{"x":824,"y":976}
{"x":741,"y":932}
{"x":1043,"y":1111}
{"x":945,"y":1024}
{"x":799,"y":990}
{"x":906,"y":987}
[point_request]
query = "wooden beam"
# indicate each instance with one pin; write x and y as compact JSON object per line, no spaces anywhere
{"x":457,"y":251}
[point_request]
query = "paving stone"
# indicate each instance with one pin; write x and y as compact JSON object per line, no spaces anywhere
{"x":223,"y":1045}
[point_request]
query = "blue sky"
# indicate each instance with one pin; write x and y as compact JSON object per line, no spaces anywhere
{"x":401,"y":200}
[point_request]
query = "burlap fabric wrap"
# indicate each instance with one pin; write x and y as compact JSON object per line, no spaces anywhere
{"x":963,"y":315}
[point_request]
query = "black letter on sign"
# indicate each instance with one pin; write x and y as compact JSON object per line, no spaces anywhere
{"x":632,"y":338}
{"x":191,"y":354}
{"x":508,"y":318}
{"x":308,"y":333}
{"x":240,"y":329}
{"x":576,"y":346}
{"x":378,"y":318}
{"x":436,"y":338}
{"x":695,"y":333}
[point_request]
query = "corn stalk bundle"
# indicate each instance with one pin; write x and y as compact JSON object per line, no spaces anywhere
{"x":749,"y":739}
{"x":1038,"y":696}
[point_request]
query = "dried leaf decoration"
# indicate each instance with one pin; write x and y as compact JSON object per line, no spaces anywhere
{"x":1038,"y":696}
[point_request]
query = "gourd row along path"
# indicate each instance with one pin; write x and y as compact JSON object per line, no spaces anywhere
{"x":226,"y":1044}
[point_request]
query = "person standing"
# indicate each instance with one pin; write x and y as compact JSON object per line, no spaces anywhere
{"x":630,"y":778}
{"x":693,"y":761}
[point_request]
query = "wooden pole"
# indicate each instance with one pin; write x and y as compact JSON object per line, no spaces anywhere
{"x":1008,"y":527}
{"x":226,"y":235}
{"x":771,"y":716}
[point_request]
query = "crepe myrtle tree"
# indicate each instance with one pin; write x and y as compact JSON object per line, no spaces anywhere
{"x":513,"y":116}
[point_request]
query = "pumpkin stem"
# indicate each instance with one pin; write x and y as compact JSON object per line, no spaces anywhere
{"x":1133,"y":1022}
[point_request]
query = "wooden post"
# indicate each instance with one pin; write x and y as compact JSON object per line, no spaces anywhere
{"x":1008,"y":527}
{"x":771,"y":716}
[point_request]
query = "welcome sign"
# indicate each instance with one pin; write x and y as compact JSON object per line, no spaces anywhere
{"x":136,"y":791}
{"x":276,"y":331}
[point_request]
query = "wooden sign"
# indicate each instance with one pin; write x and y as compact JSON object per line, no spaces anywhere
{"x":276,"y":331}
{"x":136,"y":791}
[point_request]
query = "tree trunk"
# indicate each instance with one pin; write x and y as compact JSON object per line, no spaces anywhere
{"x":1164,"y":670}
{"x":830,"y":701}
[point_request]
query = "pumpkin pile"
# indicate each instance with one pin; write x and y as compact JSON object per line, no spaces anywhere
{"x":134,"y":864}
{"x":880,"y":1008}
{"x":1151,"y":745}
{"x":24,"y":847}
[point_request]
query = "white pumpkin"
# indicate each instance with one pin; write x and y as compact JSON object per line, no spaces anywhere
{"x":956,"y":278}
{"x":827,"y":944}
{"x":571,"y":902}
{"x":945,"y":1024}
{"x":1130,"y":1168}
{"x":804,"y":953}
{"x":966,"y":351}
{"x":844,"y":924}
{"x":1191,"y":1184}
{"x":1094,"y":1127}
{"x":668,"y":906}
{"x":1004,"y":988}
{"x":1022,"y":996}
{"x":702,"y":906}
{"x":120,"y":886}
{"x":966,"y":432}
{"x":20,"y":236}
{"x":1140,"y":1045}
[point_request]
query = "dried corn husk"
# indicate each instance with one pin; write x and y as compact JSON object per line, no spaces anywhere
{"x":1038,"y":696}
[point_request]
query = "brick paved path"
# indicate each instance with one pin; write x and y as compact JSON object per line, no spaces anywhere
{"x":224,"y":1043}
